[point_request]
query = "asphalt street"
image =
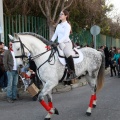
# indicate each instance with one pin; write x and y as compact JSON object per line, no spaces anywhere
{"x":72,"y":105}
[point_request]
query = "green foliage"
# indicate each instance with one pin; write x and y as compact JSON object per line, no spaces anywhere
{"x":83,"y":13}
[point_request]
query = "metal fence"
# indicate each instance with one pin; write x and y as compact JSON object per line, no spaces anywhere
{"x":19,"y":23}
{"x":84,"y":37}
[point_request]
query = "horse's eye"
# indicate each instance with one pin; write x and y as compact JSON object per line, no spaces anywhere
{"x":18,"y":49}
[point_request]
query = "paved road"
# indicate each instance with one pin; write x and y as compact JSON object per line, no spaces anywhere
{"x":72,"y":105}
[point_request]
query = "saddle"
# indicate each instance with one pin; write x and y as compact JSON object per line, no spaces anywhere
{"x":76,"y":54}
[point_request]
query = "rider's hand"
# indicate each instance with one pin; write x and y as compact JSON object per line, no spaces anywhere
{"x":53,"y":44}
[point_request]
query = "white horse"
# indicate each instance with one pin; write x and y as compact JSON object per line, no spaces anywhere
{"x":51,"y":70}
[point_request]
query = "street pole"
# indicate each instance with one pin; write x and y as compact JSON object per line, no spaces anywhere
{"x":94,"y":38}
{"x":95,"y":30}
{"x":1,"y":22}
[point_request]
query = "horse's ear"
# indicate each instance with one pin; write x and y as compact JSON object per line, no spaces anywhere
{"x":16,"y":35}
{"x":11,"y":38}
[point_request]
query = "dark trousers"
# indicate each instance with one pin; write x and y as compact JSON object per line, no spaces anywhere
{"x":3,"y":80}
{"x":113,"y":69}
{"x":118,"y":69}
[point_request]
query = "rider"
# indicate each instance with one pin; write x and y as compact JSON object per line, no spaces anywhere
{"x":62,"y":31}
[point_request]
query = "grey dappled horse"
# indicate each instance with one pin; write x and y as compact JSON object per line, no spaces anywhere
{"x":51,"y":71}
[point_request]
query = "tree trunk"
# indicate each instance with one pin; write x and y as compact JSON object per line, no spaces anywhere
{"x":51,"y":30}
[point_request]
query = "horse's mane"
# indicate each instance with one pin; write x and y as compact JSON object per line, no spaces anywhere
{"x":37,"y":36}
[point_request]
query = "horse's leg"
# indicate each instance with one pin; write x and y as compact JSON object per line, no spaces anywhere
{"x":45,"y":91}
{"x":49,"y":97}
{"x":95,"y":100}
{"x":92,"y":103}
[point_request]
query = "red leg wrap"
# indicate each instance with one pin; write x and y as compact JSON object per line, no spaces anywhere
{"x":26,"y":76}
{"x":91,"y":101}
{"x":47,"y":107}
{"x":50,"y":104}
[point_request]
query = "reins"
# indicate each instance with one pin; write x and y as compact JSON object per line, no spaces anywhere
{"x":50,"y":58}
{"x":34,"y":57}
{"x":52,"y":55}
{"x":22,"y":49}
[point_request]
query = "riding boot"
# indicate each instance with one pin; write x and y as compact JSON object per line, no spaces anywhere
{"x":71,"y":68}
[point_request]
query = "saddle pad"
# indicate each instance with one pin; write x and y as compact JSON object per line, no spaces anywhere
{"x":76,"y":60}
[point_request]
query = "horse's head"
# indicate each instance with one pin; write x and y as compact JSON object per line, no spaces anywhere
{"x":21,"y":53}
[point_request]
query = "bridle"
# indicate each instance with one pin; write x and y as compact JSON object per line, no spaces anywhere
{"x":53,"y":50}
{"x":22,"y":49}
{"x":34,"y":57}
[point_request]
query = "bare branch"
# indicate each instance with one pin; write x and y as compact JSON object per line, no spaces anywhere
{"x":68,"y":5}
{"x":63,"y":3}
{"x":40,"y":5}
{"x":47,"y":8}
{"x":55,"y":12}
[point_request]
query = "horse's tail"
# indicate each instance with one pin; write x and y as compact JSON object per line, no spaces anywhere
{"x":101,"y":74}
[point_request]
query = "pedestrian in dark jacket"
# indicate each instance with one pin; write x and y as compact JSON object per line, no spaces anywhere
{"x":106,"y":51}
{"x":12,"y":74}
{"x":3,"y":75}
{"x":112,"y":63}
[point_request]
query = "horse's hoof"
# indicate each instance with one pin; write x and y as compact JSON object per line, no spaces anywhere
{"x":56,"y":112}
{"x":94,"y":106}
{"x":88,"y":114}
{"x":47,"y":119}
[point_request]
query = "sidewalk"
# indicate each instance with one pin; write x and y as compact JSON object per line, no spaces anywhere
{"x":58,"y":89}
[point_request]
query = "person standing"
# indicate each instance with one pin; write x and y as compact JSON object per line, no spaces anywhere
{"x":62,"y":31}
{"x":112,"y":63}
{"x":3,"y":75}
{"x":12,"y":74}
{"x":116,"y":59}
{"x":106,"y":51}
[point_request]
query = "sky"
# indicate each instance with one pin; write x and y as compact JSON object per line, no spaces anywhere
{"x":116,"y":4}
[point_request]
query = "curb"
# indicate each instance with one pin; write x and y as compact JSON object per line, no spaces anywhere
{"x":59,"y":88}
{"x":80,"y":82}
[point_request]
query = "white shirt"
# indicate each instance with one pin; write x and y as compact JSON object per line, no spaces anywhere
{"x":5,"y":48}
{"x":62,"y":32}
{"x":15,"y":64}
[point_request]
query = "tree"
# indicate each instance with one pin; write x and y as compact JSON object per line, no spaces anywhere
{"x":89,"y":12}
{"x":23,"y":7}
{"x":51,"y":10}
{"x":83,"y":13}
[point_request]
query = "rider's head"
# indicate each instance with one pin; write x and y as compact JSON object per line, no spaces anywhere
{"x":64,"y":15}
